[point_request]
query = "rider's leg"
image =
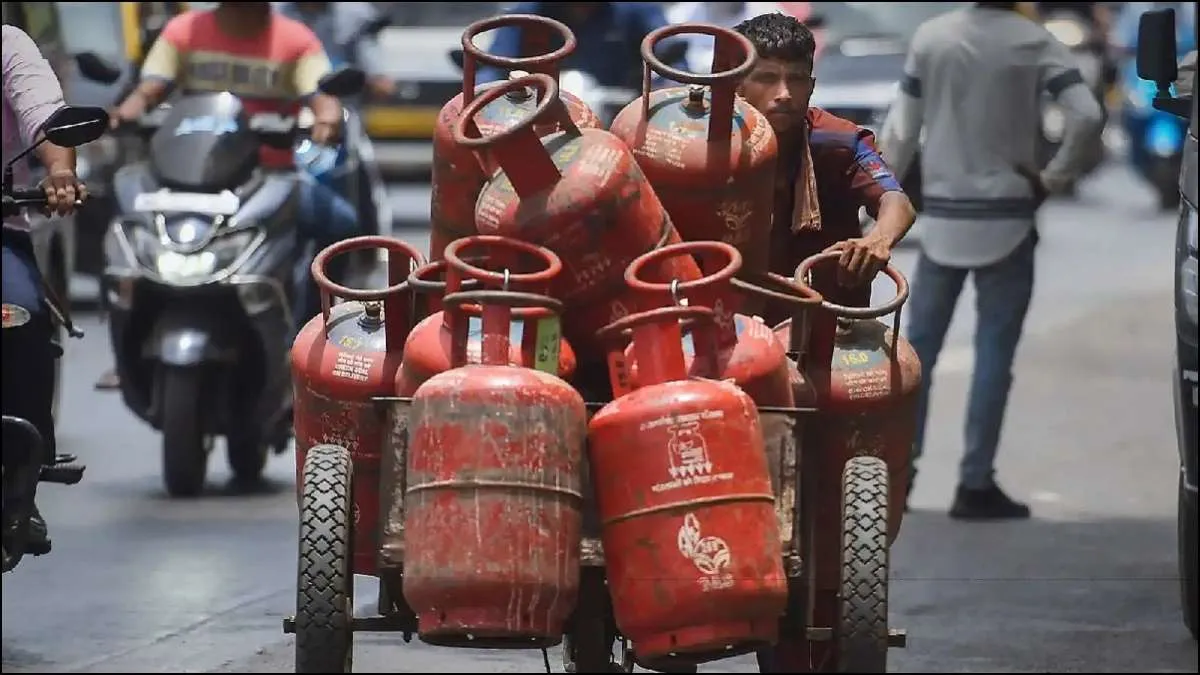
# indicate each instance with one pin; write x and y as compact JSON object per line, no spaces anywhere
{"x":326,"y":217}
{"x":28,"y":356}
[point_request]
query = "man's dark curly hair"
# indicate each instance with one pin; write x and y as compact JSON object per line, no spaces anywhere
{"x":779,"y":36}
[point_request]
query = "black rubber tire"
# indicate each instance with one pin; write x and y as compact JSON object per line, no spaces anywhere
{"x":184,"y":447}
{"x":325,"y":582}
{"x":1189,"y":586}
{"x":862,"y":629}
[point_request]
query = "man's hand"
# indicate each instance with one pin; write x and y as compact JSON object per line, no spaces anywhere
{"x":381,"y":87}
{"x":129,"y":110}
{"x":861,"y":260}
{"x":1040,"y":192}
{"x":63,"y":189}
{"x":326,"y":131}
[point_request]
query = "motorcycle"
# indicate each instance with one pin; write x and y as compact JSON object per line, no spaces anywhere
{"x":200,"y":268}
{"x":25,"y":464}
{"x":1155,"y":137}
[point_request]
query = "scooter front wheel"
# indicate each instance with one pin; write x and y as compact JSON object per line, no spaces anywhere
{"x":185,"y":447}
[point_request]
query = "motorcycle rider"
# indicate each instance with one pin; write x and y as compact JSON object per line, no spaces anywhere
{"x":32,"y":93}
{"x":268,"y":60}
{"x":609,"y":39}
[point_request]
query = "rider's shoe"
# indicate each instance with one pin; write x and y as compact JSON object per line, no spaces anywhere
{"x":39,"y":535}
{"x":109,"y":380}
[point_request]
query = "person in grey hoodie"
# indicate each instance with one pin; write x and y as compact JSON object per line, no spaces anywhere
{"x":31,"y":94}
{"x":972,"y":83}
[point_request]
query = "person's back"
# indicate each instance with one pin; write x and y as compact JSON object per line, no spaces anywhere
{"x":265,"y":71}
{"x":984,"y":71}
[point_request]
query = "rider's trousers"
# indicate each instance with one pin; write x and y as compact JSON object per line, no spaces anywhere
{"x":28,"y":350}
{"x":326,"y":217}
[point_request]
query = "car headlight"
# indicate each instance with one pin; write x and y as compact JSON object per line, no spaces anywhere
{"x":1188,"y":271}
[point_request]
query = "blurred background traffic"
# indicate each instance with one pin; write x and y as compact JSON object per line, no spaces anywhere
{"x":860,"y":58}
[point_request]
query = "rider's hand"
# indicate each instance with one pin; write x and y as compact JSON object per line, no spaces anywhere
{"x":129,"y":111}
{"x":325,"y":132}
{"x":63,"y":189}
{"x":862,"y":259}
{"x":381,"y":87}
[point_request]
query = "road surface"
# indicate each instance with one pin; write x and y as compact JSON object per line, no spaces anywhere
{"x":137,"y":582}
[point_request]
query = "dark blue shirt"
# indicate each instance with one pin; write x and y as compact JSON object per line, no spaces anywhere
{"x":608,"y":44}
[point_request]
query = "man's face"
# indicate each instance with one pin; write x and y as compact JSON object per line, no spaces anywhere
{"x":780,"y":90}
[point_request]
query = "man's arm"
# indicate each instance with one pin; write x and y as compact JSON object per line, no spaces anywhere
{"x":160,"y":69}
{"x":1083,"y":118}
{"x":901,"y":133}
{"x":311,"y":66}
{"x":34,"y":92}
{"x":873,"y":186}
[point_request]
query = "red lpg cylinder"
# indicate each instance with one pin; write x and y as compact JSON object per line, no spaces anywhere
{"x":866,"y":380}
{"x":746,"y":350}
{"x":427,"y":350}
{"x":494,"y":495}
{"x":710,"y":155}
{"x":579,"y":193}
{"x":457,"y":174}
{"x":340,"y":361}
{"x":683,"y":493}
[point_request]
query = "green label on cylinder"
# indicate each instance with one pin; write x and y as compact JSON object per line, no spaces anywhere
{"x":549,"y":336}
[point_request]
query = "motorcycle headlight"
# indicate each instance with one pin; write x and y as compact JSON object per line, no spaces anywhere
{"x":190,"y":268}
{"x":188,"y":230}
{"x":1069,"y":33}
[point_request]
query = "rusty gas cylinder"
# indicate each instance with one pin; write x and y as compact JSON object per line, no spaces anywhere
{"x":579,"y":193}
{"x":342,"y":359}
{"x":458,"y":174}
{"x":683,"y":493}
{"x":746,"y":349}
{"x":493,"y":506}
{"x":867,"y":379}
{"x":427,"y":350}
{"x":710,"y":155}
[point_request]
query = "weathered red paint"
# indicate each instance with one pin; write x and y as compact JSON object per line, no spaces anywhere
{"x":458,"y":174}
{"x":746,"y":350}
{"x":340,"y":361}
{"x":684,"y":495}
{"x":866,"y":378}
{"x":531,"y":268}
{"x":581,"y":194}
{"x":710,"y":156}
{"x":494,"y":499}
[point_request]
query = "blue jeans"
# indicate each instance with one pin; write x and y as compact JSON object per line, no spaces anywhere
{"x":1003,"y":290}
{"x":326,"y":217}
{"x":29,"y":351}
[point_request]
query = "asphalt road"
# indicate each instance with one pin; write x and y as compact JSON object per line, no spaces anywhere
{"x":139,"y":583}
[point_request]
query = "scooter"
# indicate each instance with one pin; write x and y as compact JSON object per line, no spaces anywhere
{"x":201,"y":263}
{"x":25,"y":464}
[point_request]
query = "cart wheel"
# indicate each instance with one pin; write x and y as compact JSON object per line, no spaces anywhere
{"x":863,"y":607}
{"x":325,"y":584}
